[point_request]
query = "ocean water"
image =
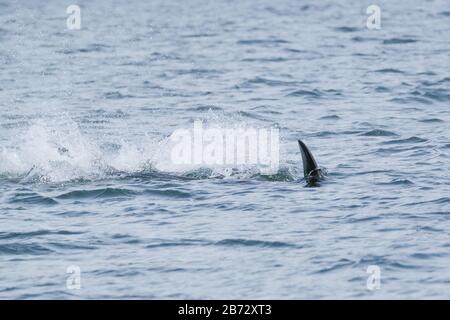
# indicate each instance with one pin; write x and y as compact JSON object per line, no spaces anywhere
{"x":86,"y":184}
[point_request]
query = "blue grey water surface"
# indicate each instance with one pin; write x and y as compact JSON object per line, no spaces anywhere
{"x":84,"y":175}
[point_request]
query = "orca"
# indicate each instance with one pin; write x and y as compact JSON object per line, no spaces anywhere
{"x":312,"y":172}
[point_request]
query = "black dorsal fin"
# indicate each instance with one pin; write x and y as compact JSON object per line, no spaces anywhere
{"x":309,"y":163}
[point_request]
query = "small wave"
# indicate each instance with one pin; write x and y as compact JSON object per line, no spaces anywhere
{"x":411,"y":99}
{"x":161,"y":243}
{"x":262,"y":41}
{"x":95,"y":194}
{"x":315,"y":93}
{"x":442,"y":200}
{"x":254,"y":243}
{"x":196,"y":71}
{"x":378,"y":133}
{"x":394,"y":150}
{"x":58,"y":246}
{"x":225,"y":242}
{"x":23,"y":249}
{"x":170,"y":193}
{"x":270,"y":59}
{"x":264,"y":81}
{"x":342,"y":263}
{"x":96,"y":47}
{"x":306,"y":93}
{"x":32,"y":198}
{"x":200,"y":35}
{"x":116,"y":95}
{"x":408,"y":140}
{"x":205,"y":108}
{"x":363,"y":219}
{"x":397,"y":182}
{"x":385,"y":261}
{"x":33,"y":234}
{"x":283,"y":174}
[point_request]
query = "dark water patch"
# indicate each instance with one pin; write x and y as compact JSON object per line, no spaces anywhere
{"x":134,"y":63}
{"x":161,"y":243}
{"x":445,"y":13}
{"x":266,"y":110}
{"x":443,"y":80}
{"x":362,"y":219}
{"x":265,"y":81}
{"x":253,"y":115}
{"x":443,"y":200}
{"x":428,"y":229}
{"x":23,"y":249}
{"x":342,"y":263}
{"x":385,"y":262}
{"x":170,"y":193}
{"x":33,"y":234}
{"x":283,"y":174}
{"x":97,"y":193}
{"x":65,"y":246}
{"x":403,"y":141}
{"x":200,"y":35}
{"x":32,"y":198}
{"x":125,"y":238}
{"x":427,"y":255}
{"x":399,"y":41}
{"x":324,"y":134}
{"x":389,"y":70}
{"x":394,"y":150}
{"x":92,"y":48}
{"x":411,"y":100}
{"x":360,"y":173}
{"x":330,"y":117}
{"x":254,"y":243}
{"x":396,"y":182}
{"x":205,"y":108}
{"x":158,"y":56}
{"x":306,"y":93}
{"x":431,"y":120}
{"x":74,"y":214}
{"x":382,"y":89}
{"x":116,"y":95}
{"x":364,"y":39}
{"x":346,"y":29}
{"x":441,"y":95}
{"x":16,"y":124}
{"x":270,"y":59}
{"x":262,"y":42}
{"x":378,"y":133}
{"x":426,"y":73}
{"x":196,"y":72}
{"x":224,"y":242}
